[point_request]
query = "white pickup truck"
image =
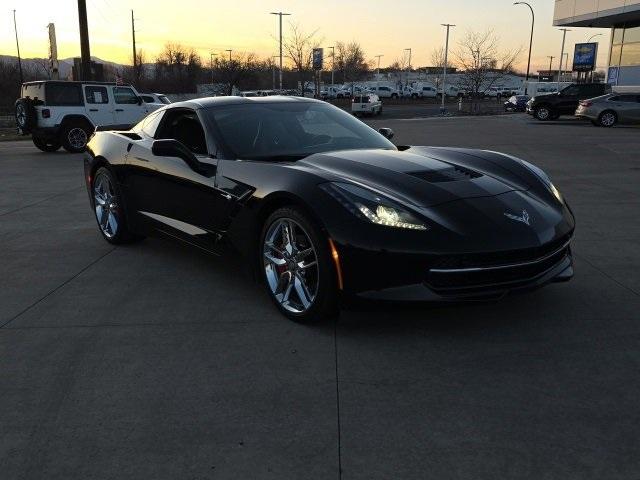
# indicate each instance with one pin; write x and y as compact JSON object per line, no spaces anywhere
{"x":61,"y":113}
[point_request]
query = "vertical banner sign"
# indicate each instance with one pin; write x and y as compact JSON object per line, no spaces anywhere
{"x":318,"y":54}
{"x":612,"y":77}
{"x":584,"y":57}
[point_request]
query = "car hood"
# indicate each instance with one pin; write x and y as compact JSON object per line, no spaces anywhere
{"x":423,"y":176}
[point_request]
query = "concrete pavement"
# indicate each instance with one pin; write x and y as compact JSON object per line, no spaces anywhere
{"x":157,"y":361}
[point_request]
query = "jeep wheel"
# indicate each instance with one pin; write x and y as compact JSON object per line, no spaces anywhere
{"x":542,"y":113}
{"x":74,"y":137}
{"x":46,"y":145}
{"x":24,"y":115}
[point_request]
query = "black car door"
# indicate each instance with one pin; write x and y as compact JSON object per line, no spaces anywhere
{"x":568,"y":100}
{"x":168,"y":193}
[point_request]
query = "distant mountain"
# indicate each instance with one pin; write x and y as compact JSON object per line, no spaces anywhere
{"x":65,"y":65}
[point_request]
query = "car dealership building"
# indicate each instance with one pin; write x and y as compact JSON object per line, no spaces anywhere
{"x":623,"y":17}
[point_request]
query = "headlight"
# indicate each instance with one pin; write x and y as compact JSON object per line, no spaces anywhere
{"x":373,"y":207}
{"x":537,"y":171}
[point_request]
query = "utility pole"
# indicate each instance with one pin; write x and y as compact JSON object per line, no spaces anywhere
{"x":280,"y":15}
{"x":85,"y":52}
{"x":550,"y":57}
{"x":378,"y":74}
{"x":533,"y":22}
{"x":229,"y":50}
{"x":15,"y":27}
{"x":333,"y":62}
{"x":133,"y":34}
{"x":564,"y":37}
{"x":444,"y":74}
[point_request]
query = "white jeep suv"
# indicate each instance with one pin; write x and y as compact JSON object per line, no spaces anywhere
{"x":61,"y":113}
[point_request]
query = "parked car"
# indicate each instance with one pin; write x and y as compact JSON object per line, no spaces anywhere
{"x":332,"y":91}
{"x":323,"y":207}
{"x":367,"y":103}
{"x":516,"y":103}
{"x":155,"y":100}
{"x":453,"y":91}
{"x":610,"y":109}
{"x":384,"y":91}
{"x":552,"y":105}
{"x":427,"y":91}
{"x":62,"y":113}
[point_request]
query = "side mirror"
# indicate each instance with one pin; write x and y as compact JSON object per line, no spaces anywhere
{"x":386,"y":133}
{"x":174,"y":148}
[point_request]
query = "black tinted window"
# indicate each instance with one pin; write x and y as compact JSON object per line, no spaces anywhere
{"x":96,"y":95}
{"x":33,"y":91}
{"x":147,"y":98}
{"x":272,"y":131}
{"x":60,"y":94}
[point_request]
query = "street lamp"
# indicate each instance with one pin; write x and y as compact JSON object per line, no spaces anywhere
{"x":594,"y":36}
{"x":280,"y":15}
{"x":564,"y":37}
{"x":333,"y":62}
{"x":408,"y":65}
{"x":229,"y":50}
{"x":533,"y":21}
{"x":446,"y":60}
{"x":211,"y":55}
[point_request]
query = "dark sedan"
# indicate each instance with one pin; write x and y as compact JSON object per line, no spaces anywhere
{"x":516,"y":103}
{"x":323,"y":206}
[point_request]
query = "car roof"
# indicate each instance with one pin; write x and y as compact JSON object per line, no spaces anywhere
{"x":206,"y":102}
{"x":76,"y":82}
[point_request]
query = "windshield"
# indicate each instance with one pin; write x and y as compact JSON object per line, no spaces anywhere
{"x":290,"y":130}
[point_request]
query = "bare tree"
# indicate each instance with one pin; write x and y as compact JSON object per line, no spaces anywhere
{"x":437,"y":57}
{"x":482,"y":62}
{"x":238,"y":72}
{"x":177,"y":70}
{"x":298,"y":47}
{"x":351,"y":62}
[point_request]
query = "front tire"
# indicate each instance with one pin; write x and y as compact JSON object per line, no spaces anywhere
{"x":296,"y":266}
{"x":543,"y":113}
{"x":108,"y":205}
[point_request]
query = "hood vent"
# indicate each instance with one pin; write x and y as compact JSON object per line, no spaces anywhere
{"x":452,"y":174}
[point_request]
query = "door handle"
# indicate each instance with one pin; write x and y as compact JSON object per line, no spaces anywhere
{"x":119,"y":110}
{"x":93,"y":109}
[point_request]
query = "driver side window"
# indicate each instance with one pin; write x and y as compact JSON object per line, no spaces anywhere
{"x":184,"y":126}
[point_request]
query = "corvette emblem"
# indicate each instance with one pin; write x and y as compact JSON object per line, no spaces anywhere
{"x":524,"y":218}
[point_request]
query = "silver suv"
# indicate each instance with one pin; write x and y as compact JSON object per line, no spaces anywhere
{"x":60,"y":113}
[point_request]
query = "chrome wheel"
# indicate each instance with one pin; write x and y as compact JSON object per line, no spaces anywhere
{"x":77,"y":138}
{"x":608,"y":119}
{"x":106,"y":205}
{"x":21,"y":115}
{"x":291,"y":265}
{"x":543,"y":113}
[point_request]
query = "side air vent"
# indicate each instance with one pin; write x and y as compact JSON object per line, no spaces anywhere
{"x":451,"y":174}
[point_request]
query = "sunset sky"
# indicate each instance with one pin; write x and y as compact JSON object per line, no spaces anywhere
{"x":382,"y":27}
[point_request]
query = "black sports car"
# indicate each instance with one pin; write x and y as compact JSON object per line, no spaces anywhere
{"x":324,"y":206}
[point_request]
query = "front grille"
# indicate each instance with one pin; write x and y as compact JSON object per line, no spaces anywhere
{"x":499,"y":275}
{"x":453,"y":174}
{"x":477,"y":260}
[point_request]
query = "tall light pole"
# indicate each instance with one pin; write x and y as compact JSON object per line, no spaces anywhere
{"x":15,"y":27}
{"x":590,"y":38}
{"x":211,"y":55}
{"x":229,"y":50}
{"x":564,"y":37}
{"x":85,"y":52}
{"x":333,"y":62}
{"x":280,"y":15}
{"x":533,"y":22}
{"x":378,"y":57}
{"x":408,"y":65}
{"x":273,"y":72}
{"x":550,"y":57}
{"x":133,"y":35}
{"x":446,"y":60}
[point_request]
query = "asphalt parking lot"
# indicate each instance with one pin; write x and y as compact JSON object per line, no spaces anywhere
{"x":155,"y":361}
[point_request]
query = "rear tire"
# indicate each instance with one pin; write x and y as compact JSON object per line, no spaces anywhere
{"x":46,"y":145}
{"x":74,"y":137}
{"x":607,"y":119}
{"x":299,"y":275}
{"x":108,"y":205}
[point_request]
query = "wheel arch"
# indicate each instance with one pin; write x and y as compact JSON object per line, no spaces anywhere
{"x":76,"y":117}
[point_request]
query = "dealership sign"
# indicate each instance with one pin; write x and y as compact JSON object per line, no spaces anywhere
{"x":584,"y":57}
{"x":318,"y":53}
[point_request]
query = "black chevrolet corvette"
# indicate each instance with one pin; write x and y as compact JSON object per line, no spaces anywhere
{"x":324,"y":206}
